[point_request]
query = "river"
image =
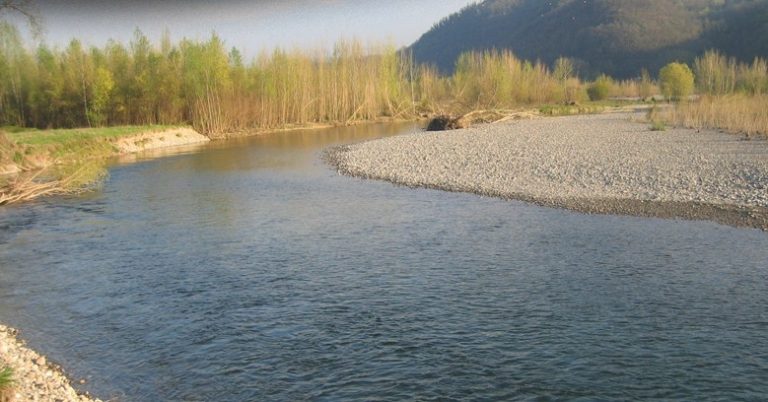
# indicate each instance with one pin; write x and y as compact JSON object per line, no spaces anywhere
{"x":248,"y":270}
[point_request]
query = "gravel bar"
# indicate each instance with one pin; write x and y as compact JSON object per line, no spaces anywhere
{"x":35,"y":378}
{"x":604,"y":163}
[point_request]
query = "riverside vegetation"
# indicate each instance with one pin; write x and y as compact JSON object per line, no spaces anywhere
{"x":732,"y":96}
{"x":200,"y":83}
{"x":214,"y":90}
{"x":6,"y":383}
{"x":67,"y":160}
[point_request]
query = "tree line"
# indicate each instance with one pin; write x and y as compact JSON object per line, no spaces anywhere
{"x":200,"y":83}
{"x":212,"y":88}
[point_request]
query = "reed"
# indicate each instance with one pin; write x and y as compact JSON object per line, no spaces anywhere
{"x":736,"y":113}
{"x":497,"y":79}
{"x":717,"y":74}
{"x":641,"y":88}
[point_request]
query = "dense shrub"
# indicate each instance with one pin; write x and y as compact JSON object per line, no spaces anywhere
{"x":600,"y":89}
{"x":676,"y":81}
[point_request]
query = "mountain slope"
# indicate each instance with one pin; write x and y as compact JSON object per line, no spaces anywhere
{"x":618,"y":37}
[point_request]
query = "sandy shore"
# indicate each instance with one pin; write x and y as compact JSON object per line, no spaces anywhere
{"x":160,"y":139}
{"x":35,"y":378}
{"x":606,"y":163}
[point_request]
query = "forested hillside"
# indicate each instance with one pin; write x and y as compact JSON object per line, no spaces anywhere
{"x":616,"y":37}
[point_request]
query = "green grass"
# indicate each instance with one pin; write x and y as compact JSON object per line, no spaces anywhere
{"x":73,"y":144}
{"x":658,"y":125}
{"x":590,"y":107}
{"x":567,"y":110}
{"x":62,"y":136}
{"x":80,"y":153}
{"x":14,"y":129}
{"x":6,"y":384}
{"x":6,"y":379}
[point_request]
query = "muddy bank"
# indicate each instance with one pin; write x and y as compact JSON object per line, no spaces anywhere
{"x":607,"y":164}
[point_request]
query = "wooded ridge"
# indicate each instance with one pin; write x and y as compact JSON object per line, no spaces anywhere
{"x":615,"y":37}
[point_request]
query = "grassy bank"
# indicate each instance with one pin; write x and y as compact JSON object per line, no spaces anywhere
{"x":61,"y":136}
{"x":62,"y":161}
{"x":32,"y":149}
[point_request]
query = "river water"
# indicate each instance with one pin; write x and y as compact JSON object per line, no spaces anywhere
{"x":249,"y":270}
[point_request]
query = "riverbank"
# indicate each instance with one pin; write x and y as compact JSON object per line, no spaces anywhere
{"x":36,"y":149}
{"x":34,"y":378}
{"x":604,"y":163}
{"x":167,"y":138}
{"x":39,"y":149}
{"x":55,"y":162}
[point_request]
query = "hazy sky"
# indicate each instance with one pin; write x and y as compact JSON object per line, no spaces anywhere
{"x":251,"y":25}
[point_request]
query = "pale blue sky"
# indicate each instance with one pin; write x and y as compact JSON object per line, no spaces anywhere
{"x":251,"y":25}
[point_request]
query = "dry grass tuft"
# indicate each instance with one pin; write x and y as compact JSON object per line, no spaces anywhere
{"x":738,"y":113}
{"x":72,"y":179}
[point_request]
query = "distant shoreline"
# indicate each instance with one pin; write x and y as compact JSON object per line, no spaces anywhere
{"x":597,"y":164}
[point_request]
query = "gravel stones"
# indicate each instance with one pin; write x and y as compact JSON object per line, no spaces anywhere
{"x":35,"y":379}
{"x":605,"y":163}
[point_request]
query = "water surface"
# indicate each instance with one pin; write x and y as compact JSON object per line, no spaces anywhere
{"x":250,"y":271}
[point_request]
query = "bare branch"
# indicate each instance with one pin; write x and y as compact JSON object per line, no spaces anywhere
{"x":27,"y":9}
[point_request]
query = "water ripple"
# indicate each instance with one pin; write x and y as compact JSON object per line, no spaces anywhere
{"x":187,"y":279}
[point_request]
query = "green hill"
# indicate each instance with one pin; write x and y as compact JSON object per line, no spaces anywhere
{"x":617,"y":37}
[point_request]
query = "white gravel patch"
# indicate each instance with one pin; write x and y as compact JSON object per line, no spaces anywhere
{"x":596,"y":157}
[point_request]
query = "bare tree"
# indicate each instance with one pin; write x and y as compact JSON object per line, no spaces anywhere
{"x":27,"y":9}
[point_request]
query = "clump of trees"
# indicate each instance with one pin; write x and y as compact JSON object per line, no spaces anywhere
{"x":734,"y":96}
{"x":200,"y":83}
{"x":497,"y":79}
{"x":717,"y":74}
